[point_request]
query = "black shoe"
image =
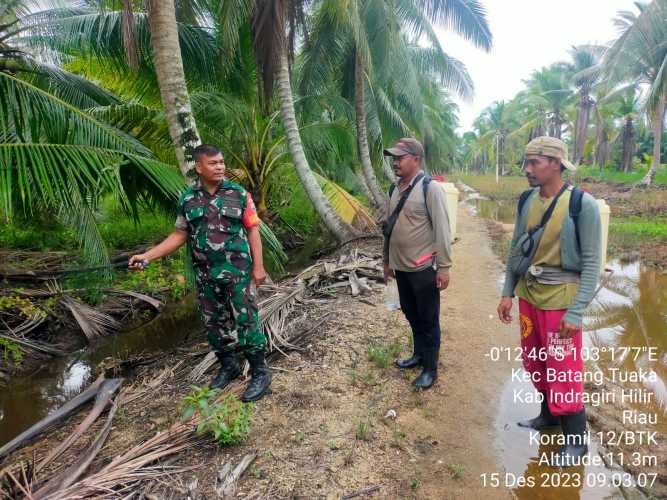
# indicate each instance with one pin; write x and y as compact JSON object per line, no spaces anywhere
{"x":575,"y":447}
{"x":404,"y":364}
{"x":229,"y":370}
{"x":544,"y":420}
{"x":430,"y":372}
{"x":261,"y":377}
{"x":426,"y":379}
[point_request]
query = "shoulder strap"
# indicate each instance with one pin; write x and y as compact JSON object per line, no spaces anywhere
{"x":427,"y":180}
{"x":575,"y":209}
{"x":523,"y":199}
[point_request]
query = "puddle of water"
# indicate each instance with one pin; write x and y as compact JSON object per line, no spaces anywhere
{"x":504,"y":212}
{"x":29,"y":398}
{"x":520,"y":458}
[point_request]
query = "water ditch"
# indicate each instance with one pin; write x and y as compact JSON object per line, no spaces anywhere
{"x":30,"y":397}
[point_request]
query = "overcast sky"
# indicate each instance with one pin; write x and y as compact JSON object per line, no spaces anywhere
{"x":527,"y":35}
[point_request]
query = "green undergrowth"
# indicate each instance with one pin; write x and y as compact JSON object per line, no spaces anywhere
{"x":636,"y":231}
{"x":226,"y":420}
{"x":610,"y":174}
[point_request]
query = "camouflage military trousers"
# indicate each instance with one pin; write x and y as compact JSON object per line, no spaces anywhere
{"x":230,"y":314}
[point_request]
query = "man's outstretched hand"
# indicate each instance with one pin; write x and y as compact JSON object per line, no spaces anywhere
{"x":504,"y":309}
{"x":138,"y":262}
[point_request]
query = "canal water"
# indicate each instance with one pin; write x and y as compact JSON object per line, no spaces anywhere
{"x":29,"y":398}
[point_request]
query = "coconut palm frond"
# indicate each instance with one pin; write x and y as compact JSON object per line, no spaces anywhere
{"x":451,"y":72}
{"x":34,"y":115}
{"x":82,"y":220}
{"x":347,"y":206}
{"x":93,"y":323}
{"x":60,"y":175}
{"x":273,"y":250}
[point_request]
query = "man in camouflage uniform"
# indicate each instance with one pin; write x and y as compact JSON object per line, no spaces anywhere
{"x":218,"y":219}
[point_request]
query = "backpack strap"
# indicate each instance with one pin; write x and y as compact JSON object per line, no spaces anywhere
{"x":427,"y":180}
{"x":523,"y":199}
{"x":575,"y":209}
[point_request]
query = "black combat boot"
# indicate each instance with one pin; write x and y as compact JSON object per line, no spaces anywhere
{"x":260,"y":377}
{"x":575,"y":447}
{"x":416,"y":359}
{"x":229,"y":370}
{"x":544,"y":420}
{"x":430,"y":372}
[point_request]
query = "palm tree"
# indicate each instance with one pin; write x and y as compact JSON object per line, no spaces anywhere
{"x":549,"y":89}
{"x":358,"y":44}
{"x":585,"y":69}
{"x":56,"y":156}
{"x":171,"y":80}
{"x":628,"y":105}
{"x":639,"y":55}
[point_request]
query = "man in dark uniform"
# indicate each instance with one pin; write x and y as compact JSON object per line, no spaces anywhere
{"x":219,"y":221}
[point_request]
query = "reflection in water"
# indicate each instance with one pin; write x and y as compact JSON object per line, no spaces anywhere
{"x":29,"y":398}
{"x":504,"y":212}
{"x":521,"y":458}
{"x":628,"y":323}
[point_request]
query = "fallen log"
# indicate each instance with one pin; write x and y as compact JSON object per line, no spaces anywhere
{"x":55,"y":417}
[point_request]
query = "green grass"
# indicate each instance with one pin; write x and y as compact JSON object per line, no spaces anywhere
{"x":122,"y":233}
{"x":639,"y":229}
{"x":610,"y":174}
{"x":382,"y":355}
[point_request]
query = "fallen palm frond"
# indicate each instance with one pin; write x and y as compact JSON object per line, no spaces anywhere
{"x":106,"y":391}
{"x":227,"y":477}
{"x":73,"y":472}
{"x":157,"y":304}
{"x":130,"y":467}
{"x":93,"y":323}
{"x":278,"y":309}
{"x":56,"y":416}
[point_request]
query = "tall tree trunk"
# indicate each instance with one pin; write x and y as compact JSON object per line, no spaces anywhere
{"x":658,"y":125}
{"x":581,"y":126}
{"x":601,"y":143}
{"x":362,"y":135}
{"x":388,"y":170}
{"x":171,"y":80}
{"x":322,"y":206}
{"x":628,"y":144}
{"x":558,"y":126}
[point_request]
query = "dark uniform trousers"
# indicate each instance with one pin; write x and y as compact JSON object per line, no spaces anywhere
{"x":420,"y":302}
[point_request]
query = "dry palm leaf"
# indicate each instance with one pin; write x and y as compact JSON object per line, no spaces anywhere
{"x":347,"y":206}
{"x":93,"y":323}
{"x":158,"y":305}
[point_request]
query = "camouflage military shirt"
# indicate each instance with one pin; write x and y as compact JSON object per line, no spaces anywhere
{"x":216,"y":225}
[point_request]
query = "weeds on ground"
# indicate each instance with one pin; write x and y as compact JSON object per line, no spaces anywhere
{"x":383,"y":354}
{"x":366,"y":378}
{"x":415,"y":484}
{"x":363,"y":432}
{"x":227,"y":420}
{"x":612,"y":175}
{"x":508,"y":187}
{"x":457,"y":471}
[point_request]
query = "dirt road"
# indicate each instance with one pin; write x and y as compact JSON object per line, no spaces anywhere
{"x":324,"y":432}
